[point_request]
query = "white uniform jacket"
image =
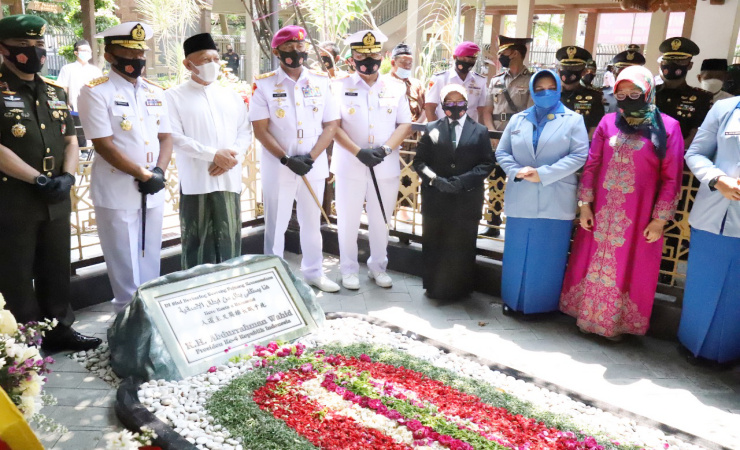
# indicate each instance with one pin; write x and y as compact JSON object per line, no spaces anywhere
{"x":370,"y":115}
{"x":134,"y":114}
{"x":297,"y":110}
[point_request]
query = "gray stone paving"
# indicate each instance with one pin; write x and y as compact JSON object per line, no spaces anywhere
{"x":642,"y":375}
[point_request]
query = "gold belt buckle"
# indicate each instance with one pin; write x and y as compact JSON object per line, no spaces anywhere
{"x":48,"y":164}
{"x":300,"y":134}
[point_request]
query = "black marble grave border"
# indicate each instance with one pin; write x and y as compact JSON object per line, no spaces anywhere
{"x":134,"y":415}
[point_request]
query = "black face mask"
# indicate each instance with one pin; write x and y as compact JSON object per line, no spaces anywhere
{"x":456,"y":112}
{"x":588,"y":78}
{"x":673,"y":71}
{"x":27,"y":59}
{"x":570,"y":76}
{"x":630,"y":106}
{"x":293,"y":59}
{"x":328,"y":61}
{"x":367,"y":66}
{"x":504,"y":60}
{"x":132,"y":68}
{"x":462,"y":66}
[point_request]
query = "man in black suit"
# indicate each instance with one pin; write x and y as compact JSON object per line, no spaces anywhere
{"x":453,"y":159}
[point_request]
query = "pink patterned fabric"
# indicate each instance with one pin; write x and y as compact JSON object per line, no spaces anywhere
{"x":613,"y":272}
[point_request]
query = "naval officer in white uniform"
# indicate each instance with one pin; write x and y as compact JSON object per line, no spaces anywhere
{"x":375,"y":120}
{"x":294,"y":117}
{"x":126,"y":117}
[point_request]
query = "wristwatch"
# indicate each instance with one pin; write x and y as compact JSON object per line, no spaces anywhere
{"x":582,"y":203}
{"x":284,"y":160}
{"x":713,"y":183}
{"x":41,"y":180}
{"x":386,"y":149}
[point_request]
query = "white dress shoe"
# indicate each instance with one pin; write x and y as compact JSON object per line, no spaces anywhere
{"x":351,"y":281}
{"x":382,"y":279}
{"x":324,"y":284}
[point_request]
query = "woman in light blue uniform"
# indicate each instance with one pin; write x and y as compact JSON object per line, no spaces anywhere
{"x":710,"y":320}
{"x":541,"y":149}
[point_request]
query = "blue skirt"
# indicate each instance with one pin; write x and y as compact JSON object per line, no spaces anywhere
{"x":535,"y":256}
{"x":710,"y":319}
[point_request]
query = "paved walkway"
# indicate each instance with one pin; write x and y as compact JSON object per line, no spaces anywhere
{"x":643,"y":375}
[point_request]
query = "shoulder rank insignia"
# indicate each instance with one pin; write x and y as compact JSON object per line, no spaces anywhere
{"x":265,"y":75}
{"x":477,"y":74}
{"x":154,"y":84}
{"x":440,"y":73}
{"x":52,"y":82}
{"x":318,"y":72}
{"x":97,"y":81}
{"x":341,"y":77}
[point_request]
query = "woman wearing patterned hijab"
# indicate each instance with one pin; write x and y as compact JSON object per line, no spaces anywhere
{"x":629,"y":191}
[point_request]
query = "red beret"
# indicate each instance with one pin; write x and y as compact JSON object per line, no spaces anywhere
{"x":289,"y":33}
{"x":467,"y":48}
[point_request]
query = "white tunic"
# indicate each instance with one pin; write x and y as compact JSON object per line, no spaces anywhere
{"x":75,"y":75}
{"x":297,"y":110}
{"x":206,"y":119}
{"x":104,"y":108}
{"x":474,"y":83}
{"x":370,"y":115}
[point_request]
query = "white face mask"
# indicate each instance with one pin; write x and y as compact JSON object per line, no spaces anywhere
{"x":403,"y":73}
{"x":712,"y":85}
{"x":208,"y":72}
{"x":84,"y":56}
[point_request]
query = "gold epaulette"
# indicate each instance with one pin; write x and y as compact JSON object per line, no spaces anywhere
{"x":97,"y":81}
{"x":318,"y":72}
{"x":341,"y":77}
{"x":52,"y":82}
{"x":154,"y":84}
{"x":265,"y":75}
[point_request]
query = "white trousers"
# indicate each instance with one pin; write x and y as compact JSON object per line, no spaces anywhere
{"x":278,"y":202}
{"x":350,"y":195}
{"x":120,"y":237}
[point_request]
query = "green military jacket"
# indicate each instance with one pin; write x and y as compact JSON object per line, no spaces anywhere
{"x":687,"y":104}
{"x":34,"y":121}
{"x":586,"y":101}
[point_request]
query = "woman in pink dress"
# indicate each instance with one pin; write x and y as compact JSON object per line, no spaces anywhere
{"x":629,"y":191}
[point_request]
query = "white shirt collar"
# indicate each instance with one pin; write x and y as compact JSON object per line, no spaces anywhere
{"x":281,"y":75}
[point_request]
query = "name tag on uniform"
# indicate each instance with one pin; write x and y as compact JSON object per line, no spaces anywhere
{"x":11,"y":101}
{"x":57,"y":104}
{"x":121,"y":103}
{"x":279,"y":94}
{"x":516,"y":131}
{"x":351,"y":94}
{"x":153,"y":102}
{"x":311,"y":91}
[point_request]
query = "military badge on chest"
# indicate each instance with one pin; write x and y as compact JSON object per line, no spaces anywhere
{"x":310,"y":91}
{"x":17,"y":130}
{"x":126,"y":124}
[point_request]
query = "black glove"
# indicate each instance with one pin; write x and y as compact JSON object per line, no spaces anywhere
{"x":153,"y":184}
{"x":63,"y":185}
{"x":300,"y":165}
{"x":370,"y":156}
{"x":450,"y":185}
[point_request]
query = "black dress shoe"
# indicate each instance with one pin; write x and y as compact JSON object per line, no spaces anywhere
{"x":492,"y":232}
{"x":70,"y":341}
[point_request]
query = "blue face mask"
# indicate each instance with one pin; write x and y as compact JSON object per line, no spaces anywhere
{"x":546,"y":99}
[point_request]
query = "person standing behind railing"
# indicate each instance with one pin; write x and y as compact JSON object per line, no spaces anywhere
{"x":629,"y":190}
{"x":710,"y":319}
{"x":211,"y":134}
{"x":375,"y":121}
{"x":540,"y":151}
{"x":453,"y":159}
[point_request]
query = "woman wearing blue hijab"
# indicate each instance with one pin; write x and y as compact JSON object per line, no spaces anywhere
{"x":541,"y":149}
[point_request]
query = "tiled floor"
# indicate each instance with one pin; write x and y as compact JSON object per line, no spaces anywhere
{"x":643,"y":375}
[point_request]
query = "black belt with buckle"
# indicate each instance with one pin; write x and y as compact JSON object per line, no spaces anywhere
{"x":502,"y":117}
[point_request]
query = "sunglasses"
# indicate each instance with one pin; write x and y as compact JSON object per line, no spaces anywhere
{"x":453,"y":104}
{"x":633,"y":95}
